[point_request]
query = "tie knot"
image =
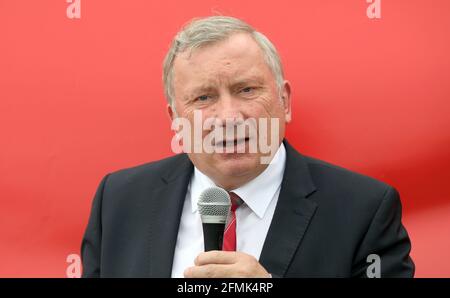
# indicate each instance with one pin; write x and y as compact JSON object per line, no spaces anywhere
{"x":236,"y":201}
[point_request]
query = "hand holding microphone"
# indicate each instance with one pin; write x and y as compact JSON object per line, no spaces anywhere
{"x":214,"y":206}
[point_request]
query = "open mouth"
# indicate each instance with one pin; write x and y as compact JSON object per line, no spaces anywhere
{"x":232,"y":143}
{"x":235,"y":142}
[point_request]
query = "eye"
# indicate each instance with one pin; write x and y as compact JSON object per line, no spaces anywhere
{"x":247,"y":89}
{"x":202,"y":97}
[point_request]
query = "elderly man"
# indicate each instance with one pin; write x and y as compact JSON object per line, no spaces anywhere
{"x":297,"y":217}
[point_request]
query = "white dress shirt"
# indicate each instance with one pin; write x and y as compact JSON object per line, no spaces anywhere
{"x":253,"y":218}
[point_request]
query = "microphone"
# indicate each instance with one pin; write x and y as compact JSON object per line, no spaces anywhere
{"x":214,"y":206}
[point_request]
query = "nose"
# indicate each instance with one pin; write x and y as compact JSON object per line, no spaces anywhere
{"x":229,"y":109}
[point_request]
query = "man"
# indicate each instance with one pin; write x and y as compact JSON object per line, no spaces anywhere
{"x":298,"y":217}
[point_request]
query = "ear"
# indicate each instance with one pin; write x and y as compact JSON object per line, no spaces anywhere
{"x":170,"y":112}
{"x":286,"y":96}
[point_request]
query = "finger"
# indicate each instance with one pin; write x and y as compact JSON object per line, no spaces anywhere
{"x":216,"y":257}
{"x":209,"y":271}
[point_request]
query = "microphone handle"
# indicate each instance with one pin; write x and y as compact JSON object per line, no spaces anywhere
{"x":213,"y":235}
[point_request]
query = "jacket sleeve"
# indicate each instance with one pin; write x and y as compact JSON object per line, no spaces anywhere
{"x":388,"y":239}
{"x":92,"y":239}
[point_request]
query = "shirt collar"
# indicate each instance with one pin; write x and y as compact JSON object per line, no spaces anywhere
{"x":257,"y":193}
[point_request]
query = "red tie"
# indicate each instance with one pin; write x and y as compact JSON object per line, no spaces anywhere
{"x":229,"y":236}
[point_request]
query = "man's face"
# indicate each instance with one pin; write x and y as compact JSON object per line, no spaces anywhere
{"x":229,"y":80}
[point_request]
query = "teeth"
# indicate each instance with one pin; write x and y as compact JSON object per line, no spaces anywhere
{"x":231,"y":142}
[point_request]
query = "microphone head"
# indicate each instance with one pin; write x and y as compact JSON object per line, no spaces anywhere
{"x":214,"y":205}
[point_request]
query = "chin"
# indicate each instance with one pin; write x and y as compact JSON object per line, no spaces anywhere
{"x":237,"y":164}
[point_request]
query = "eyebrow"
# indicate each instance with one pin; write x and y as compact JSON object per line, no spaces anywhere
{"x":248,"y":80}
{"x":198,"y":90}
{"x":208,"y":87}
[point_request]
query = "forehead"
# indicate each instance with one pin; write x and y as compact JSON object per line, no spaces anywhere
{"x":237,"y":57}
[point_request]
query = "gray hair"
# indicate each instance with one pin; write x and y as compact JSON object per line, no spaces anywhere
{"x":204,"y":31}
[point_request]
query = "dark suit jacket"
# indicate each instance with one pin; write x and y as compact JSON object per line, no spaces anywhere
{"x":327,"y":221}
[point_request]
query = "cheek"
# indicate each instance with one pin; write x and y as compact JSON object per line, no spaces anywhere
{"x":185,"y":111}
{"x":267,"y":107}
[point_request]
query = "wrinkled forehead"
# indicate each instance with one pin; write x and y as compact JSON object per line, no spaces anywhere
{"x":235,"y":58}
{"x":239,"y":47}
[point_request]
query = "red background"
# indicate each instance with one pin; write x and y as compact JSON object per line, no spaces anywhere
{"x":83,"y":97}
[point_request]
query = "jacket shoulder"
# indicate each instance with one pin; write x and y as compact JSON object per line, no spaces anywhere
{"x":345,"y":183}
{"x":151,"y":172}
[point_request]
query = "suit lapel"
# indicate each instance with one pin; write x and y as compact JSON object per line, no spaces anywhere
{"x":292,"y":215}
{"x":167,"y":205}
